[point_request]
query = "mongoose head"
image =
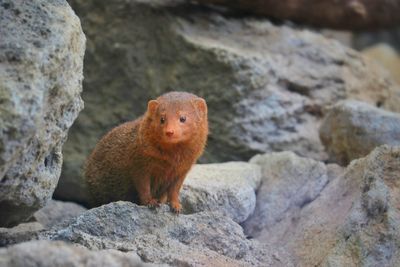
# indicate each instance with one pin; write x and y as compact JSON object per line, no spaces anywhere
{"x":177,"y":117}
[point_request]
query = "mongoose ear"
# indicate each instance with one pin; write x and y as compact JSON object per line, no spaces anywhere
{"x":152,"y":106}
{"x":201,"y":106}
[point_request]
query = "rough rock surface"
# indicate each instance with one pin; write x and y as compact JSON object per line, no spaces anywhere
{"x":387,"y":57}
{"x":227,"y":187}
{"x":58,"y":212}
{"x":58,"y":253}
{"x":266,"y":86}
{"x":339,"y":14}
{"x":289,"y":183}
{"x":20,"y":233}
{"x":41,"y":58}
{"x":55,"y":215}
{"x":352,"y":129}
{"x":159,"y":236}
{"x":353,"y":221}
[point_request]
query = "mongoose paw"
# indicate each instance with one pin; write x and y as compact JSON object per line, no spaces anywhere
{"x":153,"y":203}
{"x":163,"y":199}
{"x":176,"y":207}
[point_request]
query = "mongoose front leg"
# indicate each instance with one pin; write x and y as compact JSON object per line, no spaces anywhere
{"x":163,"y":198}
{"x":173,"y":195}
{"x":143,"y":190}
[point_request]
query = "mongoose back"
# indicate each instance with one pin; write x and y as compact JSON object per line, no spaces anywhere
{"x":146,"y":160}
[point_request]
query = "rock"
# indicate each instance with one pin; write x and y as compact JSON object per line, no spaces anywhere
{"x":58,"y":212}
{"x":159,"y":236}
{"x":369,"y":232}
{"x":344,"y":37}
{"x":289,"y":183}
{"x":352,"y":129}
{"x":267,"y":87}
{"x":20,"y":233}
{"x":41,"y":58}
{"x":338,"y":14}
{"x":387,"y":57}
{"x":55,"y":215}
{"x":58,"y":253}
{"x":227,"y":187}
{"x":353,"y":221}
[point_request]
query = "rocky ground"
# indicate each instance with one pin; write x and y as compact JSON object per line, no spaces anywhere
{"x":313,"y":128}
{"x":278,"y":210}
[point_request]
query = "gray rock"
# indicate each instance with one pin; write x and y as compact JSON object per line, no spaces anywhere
{"x":159,"y":236}
{"x":352,"y":129}
{"x":20,"y":233}
{"x":370,"y":234}
{"x":352,"y":222}
{"x":55,"y":215}
{"x":58,"y":212}
{"x":387,"y":56}
{"x":289,"y":183}
{"x":41,"y":58}
{"x":58,"y":254}
{"x":266,"y":86}
{"x":227,"y":187}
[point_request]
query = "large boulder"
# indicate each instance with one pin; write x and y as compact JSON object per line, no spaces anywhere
{"x":288,"y":184}
{"x":225,"y":187}
{"x":353,"y":221}
{"x":159,"y":236}
{"x":58,"y":253}
{"x":352,"y":129}
{"x":41,"y":59}
{"x":266,"y":86}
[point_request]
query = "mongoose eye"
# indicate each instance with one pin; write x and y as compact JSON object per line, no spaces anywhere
{"x":162,"y":120}
{"x":182,"y":119}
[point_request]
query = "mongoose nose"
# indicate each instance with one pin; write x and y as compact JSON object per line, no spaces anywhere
{"x":169,"y":133}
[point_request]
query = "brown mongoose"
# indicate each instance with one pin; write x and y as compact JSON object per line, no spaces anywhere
{"x":146,"y":160}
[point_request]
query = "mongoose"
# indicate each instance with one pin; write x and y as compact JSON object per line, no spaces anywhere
{"x":146,"y":160}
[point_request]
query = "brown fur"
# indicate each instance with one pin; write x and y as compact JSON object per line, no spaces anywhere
{"x":146,"y":160}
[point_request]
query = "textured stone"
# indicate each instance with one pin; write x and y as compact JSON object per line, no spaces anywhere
{"x":41,"y":60}
{"x":55,"y":215}
{"x":289,"y":183}
{"x":159,"y":236}
{"x":58,"y":253}
{"x":266,"y":86}
{"x":20,"y":233}
{"x":227,"y":187}
{"x":58,"y":212}
{"x":352,"y":129}
{"x":387,"y":57}
{"x":352,"y":222}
